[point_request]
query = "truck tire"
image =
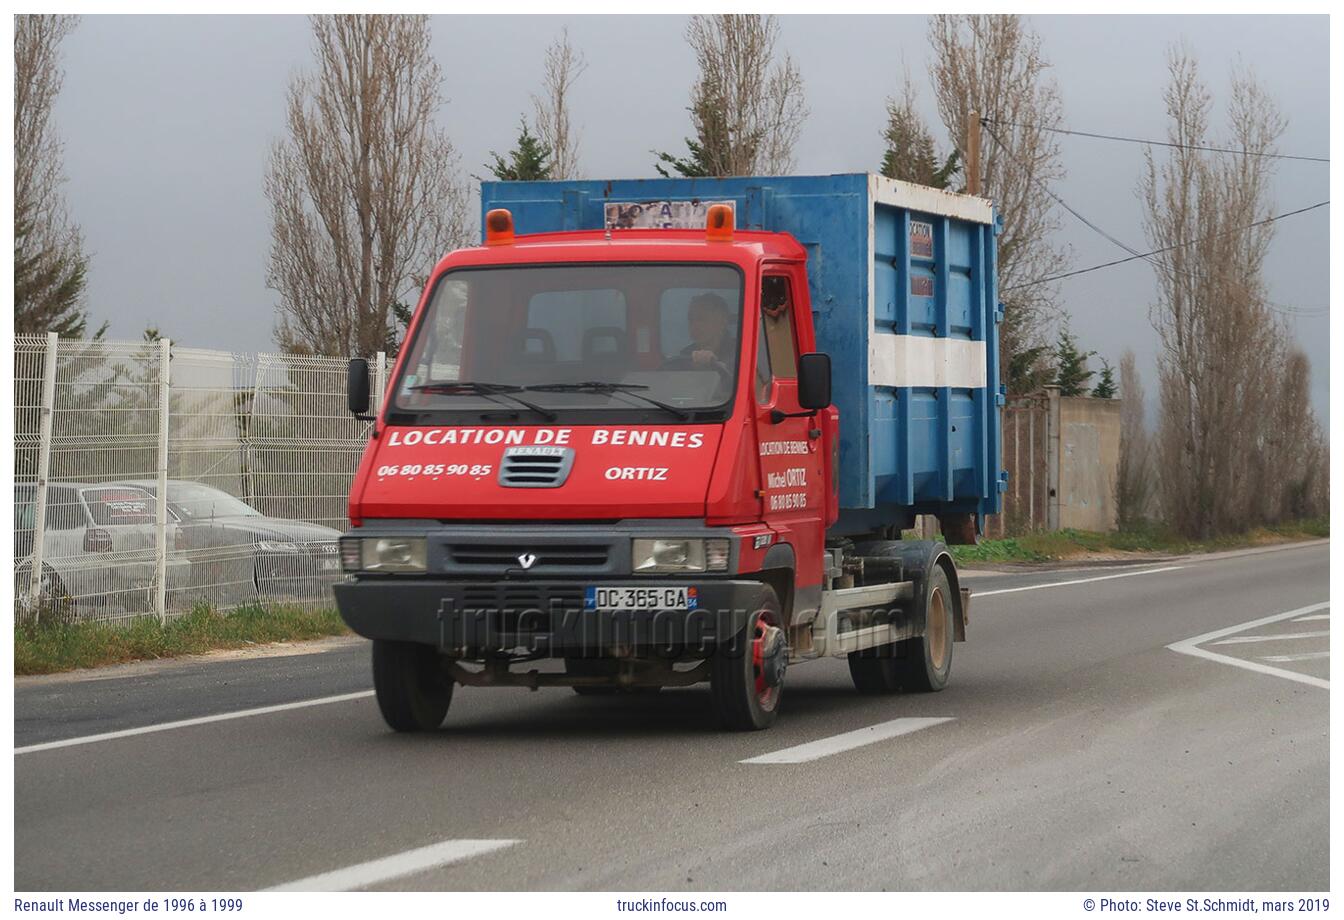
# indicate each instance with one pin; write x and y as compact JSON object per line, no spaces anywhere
{"x":412,"y":690}
{"x":742,"y":671}
{"x":919,"y":665}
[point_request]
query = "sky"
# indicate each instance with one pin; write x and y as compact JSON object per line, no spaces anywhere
{"x":167,"y":122}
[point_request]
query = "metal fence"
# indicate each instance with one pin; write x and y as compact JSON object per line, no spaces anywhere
{"x":150,"y":478}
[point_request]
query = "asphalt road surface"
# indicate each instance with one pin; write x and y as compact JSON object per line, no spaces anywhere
{"x":1163,"y":726}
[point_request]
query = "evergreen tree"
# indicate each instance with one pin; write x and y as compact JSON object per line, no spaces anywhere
{"x":1029,"y":370}
{"x":697,"y":164}
{"x":910,"y":154}
{"x":48,"y":283}
{"x":747,"y":105}
{"x":1071,"y":373}
{"x":1105,"y":388}
{"x":692,"y":165}
{"x":50,"y":263}
{"x":530,"y":159}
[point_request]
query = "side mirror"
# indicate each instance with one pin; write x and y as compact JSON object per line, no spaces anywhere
{"x":357,"y":387}
{"x":814,"y":380}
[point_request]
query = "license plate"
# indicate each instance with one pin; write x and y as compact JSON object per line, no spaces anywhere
{"x":639,"y":597}
{"x":329,"y":565}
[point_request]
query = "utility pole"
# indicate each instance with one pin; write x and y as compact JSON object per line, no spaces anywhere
{"x":973,"y":153}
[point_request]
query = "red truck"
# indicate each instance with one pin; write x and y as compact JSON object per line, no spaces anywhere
{"x":610,"y":458}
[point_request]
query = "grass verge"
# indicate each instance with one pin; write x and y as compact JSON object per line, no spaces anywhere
{"x":1052,"y":546}
{"x":44,"y":648}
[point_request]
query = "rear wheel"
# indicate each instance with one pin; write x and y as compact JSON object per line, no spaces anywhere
{"x":921,"y":664}
{"x":412,"y":689}
{"x":747,"y":675}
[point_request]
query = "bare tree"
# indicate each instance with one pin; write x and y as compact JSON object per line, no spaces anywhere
{"x":1289,"y":467}
{"x":49,"y":258}
{"x":365,"y":192}
{"x":746,"y":109}
{"x":1220,"y":344}
{"x":993,"y":65}
{"x":555,"y":127}
{"x":1134,"y":481}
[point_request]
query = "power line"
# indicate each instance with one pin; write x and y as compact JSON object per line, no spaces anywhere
{"x":1154,"y":252}
{"x":1153,"y":143}
{"x":1147,"y":256}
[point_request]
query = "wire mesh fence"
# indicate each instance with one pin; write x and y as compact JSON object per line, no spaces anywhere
{"x":151,"y":478}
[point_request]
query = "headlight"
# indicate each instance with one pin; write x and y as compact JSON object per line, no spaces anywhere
{"x":393,"y":554}
{"x":664,"y":555}
{"x":277,"y":546}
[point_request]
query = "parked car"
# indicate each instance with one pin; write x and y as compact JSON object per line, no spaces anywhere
{"x":98,"y":547}
{"x":241,"y":555}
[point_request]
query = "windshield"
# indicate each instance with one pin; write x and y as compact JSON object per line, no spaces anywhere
{"x":197,"y":502}
{"x":549,"y":342}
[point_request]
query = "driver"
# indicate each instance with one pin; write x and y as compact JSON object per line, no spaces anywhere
{"x":707,"y":318}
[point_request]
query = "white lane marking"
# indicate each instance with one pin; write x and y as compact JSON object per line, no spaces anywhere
{"x":1314,"y":616}
{"x":1305,"y":656}
{"x":1274,"y":638}
{"x":185,"y":723}
{"x":1190,"y":647}
{"x":396,"y":866}
{"x":836,"y":744}
{"x":1074,"y":581}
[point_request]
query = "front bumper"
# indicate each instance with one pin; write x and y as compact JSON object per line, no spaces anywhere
{"x":475,"y":619}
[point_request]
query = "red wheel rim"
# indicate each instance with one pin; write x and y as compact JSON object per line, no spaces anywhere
{"x":766,"y":695}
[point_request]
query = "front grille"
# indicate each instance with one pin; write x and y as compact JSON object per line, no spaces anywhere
{"x":537,"y":467}
{"x":521,"y":609}
{"x":522,"y":596}
{"x":511,"y":556}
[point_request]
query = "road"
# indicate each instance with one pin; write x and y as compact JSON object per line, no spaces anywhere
{"x":1073,"y":750}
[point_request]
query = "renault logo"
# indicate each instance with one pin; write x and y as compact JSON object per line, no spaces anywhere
{"x":526,"y":560}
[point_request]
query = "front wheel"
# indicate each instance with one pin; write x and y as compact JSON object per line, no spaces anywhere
{"x":747,"y":674}
{"x":922,"y":664}
{"x":412,"y":689}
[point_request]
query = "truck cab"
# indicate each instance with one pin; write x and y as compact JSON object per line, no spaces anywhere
{"x":608,"y":459}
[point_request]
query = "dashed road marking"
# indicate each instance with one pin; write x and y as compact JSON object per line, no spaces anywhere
{"x":396,"y":866}
{"x":187,"y":723}
{"x":1305,"y":656}
{"x":1191,"y":647}
{"x":837,"y":744}
{"x":1314,"y":616}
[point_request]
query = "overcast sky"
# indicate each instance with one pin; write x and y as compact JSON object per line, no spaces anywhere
{"x":167,"y":122}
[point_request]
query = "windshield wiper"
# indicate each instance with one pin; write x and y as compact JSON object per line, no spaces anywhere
{"x":491,"y":391}
{"x":601,"y":386}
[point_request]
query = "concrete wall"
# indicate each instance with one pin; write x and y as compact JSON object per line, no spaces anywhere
{"x":1084,"y":454}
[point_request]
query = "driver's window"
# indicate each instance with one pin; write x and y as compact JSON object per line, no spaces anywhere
{"x":762,"y":369}
{"x":777,"y":325}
